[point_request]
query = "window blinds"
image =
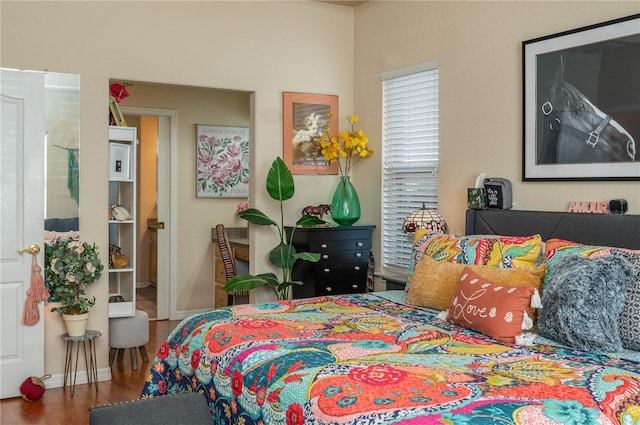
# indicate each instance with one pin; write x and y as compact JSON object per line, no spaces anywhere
{"x":409,"y":157}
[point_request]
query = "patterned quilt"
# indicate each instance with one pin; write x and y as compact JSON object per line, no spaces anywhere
{"x":364,"y":359}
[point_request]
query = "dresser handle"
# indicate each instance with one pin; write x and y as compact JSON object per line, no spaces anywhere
{"x":325,"y":256}
{"x":328,"y":289}
{"x":327,"y":270}
{"x":359,"y":244}
{"x":324,"y":245}
{"x":358,"y":254}
{"x":354,"y":286}
{"x":356,"y":268}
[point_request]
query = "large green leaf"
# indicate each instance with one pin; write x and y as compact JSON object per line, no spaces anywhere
{"x":272,"y":280}
{"x":245,"y":282}
{"x":309,"y":220}
{"x":313,"y":257}
{"x":279,"y":258}
{"x":255,"y":216}
{"x":280,"y":181}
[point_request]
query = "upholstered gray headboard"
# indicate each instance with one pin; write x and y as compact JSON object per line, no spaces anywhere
{"x":621,"y":230}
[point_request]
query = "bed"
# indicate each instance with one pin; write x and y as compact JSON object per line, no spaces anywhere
{"x":375,"y":358}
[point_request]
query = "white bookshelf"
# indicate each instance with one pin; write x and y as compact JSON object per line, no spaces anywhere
{"x":122,"y":191}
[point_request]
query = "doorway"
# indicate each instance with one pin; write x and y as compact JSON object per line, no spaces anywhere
{"x":189,"y":273}
{"x":157,"y":137}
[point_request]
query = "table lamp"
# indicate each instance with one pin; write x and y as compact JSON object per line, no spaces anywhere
{"x":424,"y":218}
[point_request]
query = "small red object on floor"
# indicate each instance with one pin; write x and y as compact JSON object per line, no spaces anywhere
{"x":33,"y":388}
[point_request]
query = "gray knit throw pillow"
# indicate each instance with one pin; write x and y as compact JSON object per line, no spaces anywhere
{"x":582,"y":302}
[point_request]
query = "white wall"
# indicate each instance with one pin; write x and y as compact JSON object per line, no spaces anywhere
{"x":478,"y":47}
{"x":262,"y":47}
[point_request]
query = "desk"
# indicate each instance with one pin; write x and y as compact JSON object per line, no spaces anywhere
{"x":239,"y":242}
{"x":88,"y":339}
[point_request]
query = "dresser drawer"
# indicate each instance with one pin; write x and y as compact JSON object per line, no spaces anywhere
{"x":220,"y":275}
{"x":341,"y":286}
{"x":341,"y":269}
{"x":322,"y":245}
{"x":345,"y":255}
{"x":241,"y":254}
{"x":221,"y":297}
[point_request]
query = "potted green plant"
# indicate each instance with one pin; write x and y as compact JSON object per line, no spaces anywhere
{"x":71,"y":266}
{"x":280,"y":187}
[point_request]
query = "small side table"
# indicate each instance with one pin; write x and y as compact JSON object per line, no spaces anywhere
{"x":394,"y":281}
{"x":87,"y":341}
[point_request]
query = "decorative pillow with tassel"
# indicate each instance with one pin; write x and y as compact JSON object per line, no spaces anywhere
{"x":499,"y":311}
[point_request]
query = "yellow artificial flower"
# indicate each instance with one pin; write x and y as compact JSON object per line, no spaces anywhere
{"x":347,"y":149}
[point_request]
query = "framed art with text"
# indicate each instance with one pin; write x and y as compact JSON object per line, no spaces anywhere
{"x":304,"y":117}
{"x":222,"y":161}
{"x":119,"y":158}
{"x":581,"y":103}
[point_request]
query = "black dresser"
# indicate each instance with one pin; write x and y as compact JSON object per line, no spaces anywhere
{"x":344,"y":258}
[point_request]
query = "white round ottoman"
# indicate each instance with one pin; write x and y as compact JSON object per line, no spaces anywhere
{"x":132,"y":333}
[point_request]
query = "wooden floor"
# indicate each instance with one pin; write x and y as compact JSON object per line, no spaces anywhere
{"x":57,"y":407}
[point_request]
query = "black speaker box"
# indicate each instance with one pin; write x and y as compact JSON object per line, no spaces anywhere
{"x":618,"y":206}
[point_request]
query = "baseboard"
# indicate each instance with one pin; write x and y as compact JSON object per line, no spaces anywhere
{"x":183,"y":314}
{"x":57,"y":381}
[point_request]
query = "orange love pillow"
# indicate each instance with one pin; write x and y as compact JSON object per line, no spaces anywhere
{"x":499,"y":311}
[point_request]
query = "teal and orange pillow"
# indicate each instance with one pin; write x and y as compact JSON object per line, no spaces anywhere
{"x":490,"y":250}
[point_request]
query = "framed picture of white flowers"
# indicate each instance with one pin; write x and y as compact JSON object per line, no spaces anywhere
{"x":222,"y":161}
{"x":306,"y":118}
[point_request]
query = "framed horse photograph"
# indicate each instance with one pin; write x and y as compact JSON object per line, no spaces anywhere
{"x":305,"y":117}
{"x":581,"y":103}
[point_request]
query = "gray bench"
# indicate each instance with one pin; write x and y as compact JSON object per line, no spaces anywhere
{"x":181,"y":408}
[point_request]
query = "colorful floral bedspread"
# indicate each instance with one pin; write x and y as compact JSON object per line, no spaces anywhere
{"x":362,"y":359}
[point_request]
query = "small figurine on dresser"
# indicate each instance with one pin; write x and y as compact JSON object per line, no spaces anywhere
{"x":318,"y":210}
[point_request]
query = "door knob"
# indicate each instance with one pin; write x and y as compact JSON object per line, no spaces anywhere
{"x":33,"y":249}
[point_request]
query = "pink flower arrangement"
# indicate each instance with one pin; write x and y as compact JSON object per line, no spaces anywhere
{"x":242,"y":206}
{"x":119,"y":91}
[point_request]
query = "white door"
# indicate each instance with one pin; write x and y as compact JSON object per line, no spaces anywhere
{"x":21,"y":223}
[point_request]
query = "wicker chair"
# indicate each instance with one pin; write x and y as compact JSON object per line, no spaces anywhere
{"x":229,"y":262}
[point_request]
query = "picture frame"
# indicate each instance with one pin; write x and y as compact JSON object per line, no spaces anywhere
{"x":581,"y":106}
{"x":304,"y":117}
{"x":119,"y":161}
{"x":115,"y":112}
{"x":222,"y":161}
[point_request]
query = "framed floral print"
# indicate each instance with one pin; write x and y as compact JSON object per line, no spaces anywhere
{"x":305,"y":117}
{"x":222,"y":161}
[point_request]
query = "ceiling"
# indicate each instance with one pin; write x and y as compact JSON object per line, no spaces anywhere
{"x":351,"y":3}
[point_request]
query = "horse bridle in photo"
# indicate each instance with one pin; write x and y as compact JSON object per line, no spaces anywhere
{"x":591,"y":138}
